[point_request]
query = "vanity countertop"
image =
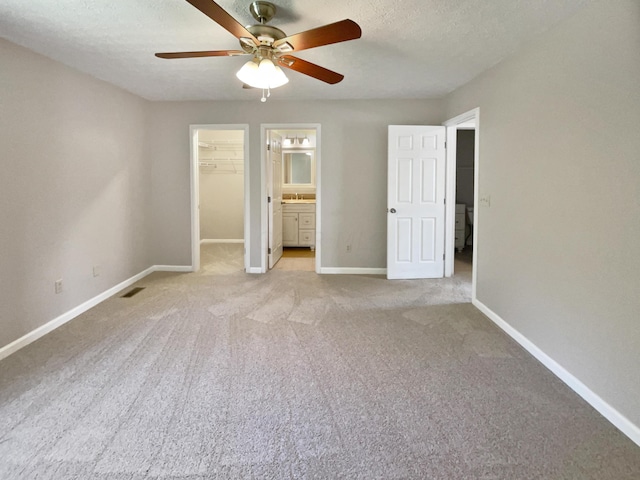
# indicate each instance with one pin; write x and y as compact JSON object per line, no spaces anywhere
{"x":293,"y":200}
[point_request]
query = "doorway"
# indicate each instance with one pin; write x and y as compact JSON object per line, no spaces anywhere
{"x":219,"y":194}
{"x":462,"y":185}
{"x":465,"y":203}
{"x":291,"y":169}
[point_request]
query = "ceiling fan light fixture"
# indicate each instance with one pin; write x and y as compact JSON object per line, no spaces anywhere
{"x":266,"y":69}
{"x":279,"y":79}
{"x":263,"y":75}
{"x":271,"y":74}
{"x":249,"y":74}
{"x":269,"y":46}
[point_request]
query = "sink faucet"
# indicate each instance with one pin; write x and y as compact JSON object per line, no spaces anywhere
{"x":296,"y":196}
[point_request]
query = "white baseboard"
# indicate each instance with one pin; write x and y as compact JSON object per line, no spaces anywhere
{"x":172,"y":268}
{"x":39,"y":332}
{"x":254,"y":270}
{"x":353,"y":271}
{"x":221,"y":240}
{"x":621,"y":422}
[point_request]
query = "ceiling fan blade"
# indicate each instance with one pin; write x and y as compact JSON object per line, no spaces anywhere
{"x":216,"y":13}
{"x":317,"y":37}
{"x":311,"y":69}
{"x":208,"y":53}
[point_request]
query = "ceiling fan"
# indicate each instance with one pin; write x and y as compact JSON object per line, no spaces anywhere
{"x":270,"y":47}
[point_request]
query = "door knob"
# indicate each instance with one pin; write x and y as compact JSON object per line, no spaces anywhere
{"x":393,"y":210}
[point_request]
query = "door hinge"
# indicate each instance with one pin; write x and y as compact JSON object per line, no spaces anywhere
{"x":445,"y":201}
{"x":269,"y":251}
{"x":445,"y":144}
{"x":443,"y":256}
{"x":268,"y":199}
{"x":268,"y":147}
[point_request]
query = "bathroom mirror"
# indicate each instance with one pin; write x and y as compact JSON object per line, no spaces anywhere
{"x":299,"y":168}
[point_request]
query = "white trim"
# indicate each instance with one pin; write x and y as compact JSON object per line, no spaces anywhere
{"x":173,"y":268}
{"x":450,"y":207}
{"x":318,"y":237}
{"x":476,"y":196}
{"x":194,"y":176}
{"x":264,"y":224}
{"x":254,"y":270}
{"x":353,"y":271}
{"x":221,"y":240}
{"x":607,"y":411}
{"x":463,"y":121}
{"x":264,"y":208}
{"x":195,"y":190}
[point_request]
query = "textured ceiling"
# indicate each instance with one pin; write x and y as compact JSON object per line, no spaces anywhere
{"x":408,"y":49}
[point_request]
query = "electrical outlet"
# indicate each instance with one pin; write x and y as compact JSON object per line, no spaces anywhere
{"x":96,"y":270}
{"x":58,"y":285}
{"x":349,"y":248}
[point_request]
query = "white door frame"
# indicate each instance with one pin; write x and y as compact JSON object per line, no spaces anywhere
{"x":195,"y":190}
{"x":264,"y":243}
{"x":464,"y":120}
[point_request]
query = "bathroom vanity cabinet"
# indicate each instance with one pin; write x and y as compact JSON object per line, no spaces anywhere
{"x":299,"y":224}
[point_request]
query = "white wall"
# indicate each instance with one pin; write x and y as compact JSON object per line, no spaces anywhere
{"x":222,"y":188}
{"x":73,"y":189}
{"x":559,"y":156}
{"x":221,"y":206}
{"x":354,"y":169}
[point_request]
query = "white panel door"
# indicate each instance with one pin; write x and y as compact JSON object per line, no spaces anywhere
{"x":274,"y":161}
{"x":415,"y":201}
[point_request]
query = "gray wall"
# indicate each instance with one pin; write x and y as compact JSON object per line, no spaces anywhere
{"x":74,"y":189}
{"x":559,"y":156}
{"x":353,"y":169}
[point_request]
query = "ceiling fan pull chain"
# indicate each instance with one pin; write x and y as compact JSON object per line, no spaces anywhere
{"x":264,"y":97}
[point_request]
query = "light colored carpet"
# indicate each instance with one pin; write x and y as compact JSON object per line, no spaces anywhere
{"x":225,"y":375}
{"x":296,"y":264}
{"x":298,"y":259}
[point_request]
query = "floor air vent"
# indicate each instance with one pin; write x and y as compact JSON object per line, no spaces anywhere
{"x":132,"y":292}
